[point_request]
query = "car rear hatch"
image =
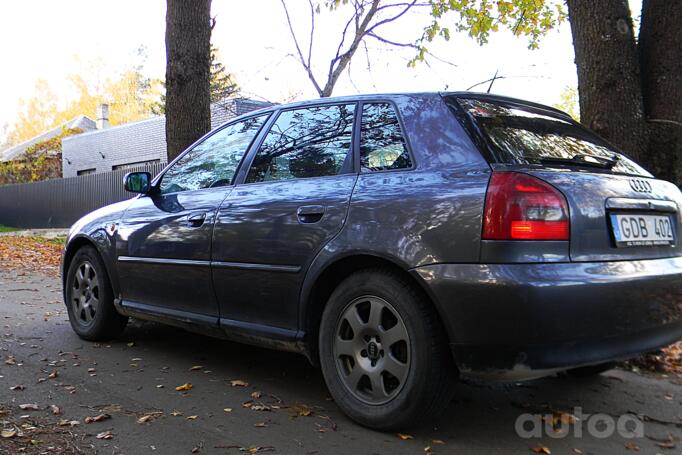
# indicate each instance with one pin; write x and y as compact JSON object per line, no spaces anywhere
{"x":618,"y":211}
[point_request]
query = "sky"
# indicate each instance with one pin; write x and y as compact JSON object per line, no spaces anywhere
{"x":51,"y":39}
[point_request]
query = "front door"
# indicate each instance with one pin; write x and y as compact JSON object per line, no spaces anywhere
{"x":164,"y":239}
{"x":294,"y":200}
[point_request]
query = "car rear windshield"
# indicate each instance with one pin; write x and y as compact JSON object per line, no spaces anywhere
{"x":519,"y":134}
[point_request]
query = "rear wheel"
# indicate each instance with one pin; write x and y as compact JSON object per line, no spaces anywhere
{"x":89,"y":298}
{"x":384,"y":353}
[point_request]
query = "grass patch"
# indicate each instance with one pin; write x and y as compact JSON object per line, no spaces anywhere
{"x":7,"y":228}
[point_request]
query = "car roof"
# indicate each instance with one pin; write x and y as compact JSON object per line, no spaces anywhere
{"x":389,"y":96}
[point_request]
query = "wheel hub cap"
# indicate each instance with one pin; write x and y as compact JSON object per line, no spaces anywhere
{"x":373,"y":351}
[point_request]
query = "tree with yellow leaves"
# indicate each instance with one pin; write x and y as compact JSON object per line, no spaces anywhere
{"x":131,"y":96}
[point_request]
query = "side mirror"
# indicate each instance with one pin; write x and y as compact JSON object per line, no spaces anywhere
{"x":137,"y":182}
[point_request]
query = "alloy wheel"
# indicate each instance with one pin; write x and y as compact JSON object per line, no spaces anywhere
{"x":85,"y":293}
{"x":372,"y":350}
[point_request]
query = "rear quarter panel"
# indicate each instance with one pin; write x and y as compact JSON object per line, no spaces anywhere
{"x":429,"y":214}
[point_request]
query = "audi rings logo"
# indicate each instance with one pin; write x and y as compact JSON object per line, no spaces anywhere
{"x":641,"y":186}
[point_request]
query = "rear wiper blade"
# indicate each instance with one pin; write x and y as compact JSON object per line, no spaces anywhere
{"x":582,"y":160}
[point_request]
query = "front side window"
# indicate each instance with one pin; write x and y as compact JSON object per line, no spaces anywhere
{"x":382,"y":146}
{"x":214,"y":161}
{"x":306,"y":142}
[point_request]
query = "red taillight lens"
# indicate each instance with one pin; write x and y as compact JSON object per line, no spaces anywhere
{"x":522,"y":207}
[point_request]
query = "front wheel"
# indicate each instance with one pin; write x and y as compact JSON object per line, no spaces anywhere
{"x":89,"y":298}
{"x":384,"y":353}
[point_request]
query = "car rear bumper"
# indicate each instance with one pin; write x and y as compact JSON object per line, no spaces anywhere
{"x":519,"y":321}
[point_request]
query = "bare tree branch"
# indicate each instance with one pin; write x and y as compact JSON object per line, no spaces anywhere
{"x":392,"y":43}
{"x":407,"y":7}
{"x":366,"y":19}
{"x":306,"y":66}
{"x":312,"y":30}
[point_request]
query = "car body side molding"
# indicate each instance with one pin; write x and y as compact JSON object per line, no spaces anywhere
{"x":233,"y":265}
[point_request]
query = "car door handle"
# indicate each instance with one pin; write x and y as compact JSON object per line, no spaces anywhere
{"x":310,"y":213}
{"x":196,"y":219}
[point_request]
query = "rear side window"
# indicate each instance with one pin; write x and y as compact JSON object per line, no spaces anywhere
{"x":518,"y":134}
{"x":382,"y":146}
{"x":303,"y":143}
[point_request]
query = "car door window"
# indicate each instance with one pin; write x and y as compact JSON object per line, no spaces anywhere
{"x":214,"y":161}
{"x":307,"y":142}
{"x":382,"y":146}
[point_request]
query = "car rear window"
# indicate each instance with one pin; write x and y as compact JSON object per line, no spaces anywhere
{"x":518,"y":134}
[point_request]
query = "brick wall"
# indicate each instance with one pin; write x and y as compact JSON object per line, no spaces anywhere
{"x":135,"y":142}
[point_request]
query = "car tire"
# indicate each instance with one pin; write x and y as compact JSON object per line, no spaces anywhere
{"x":590,"y":370}
{"x":404,"y":382}
{"x":89,"y":298}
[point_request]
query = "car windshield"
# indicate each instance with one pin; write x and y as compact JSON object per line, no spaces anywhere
{"x":520,"y":134}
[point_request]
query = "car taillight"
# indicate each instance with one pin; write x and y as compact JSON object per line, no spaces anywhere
{"x":521,"y":207}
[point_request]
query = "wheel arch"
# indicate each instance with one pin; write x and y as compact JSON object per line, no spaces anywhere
{"x":316,"y":294}
{"x":72,"y":248}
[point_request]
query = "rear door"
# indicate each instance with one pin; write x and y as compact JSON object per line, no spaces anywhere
{"x":293,"y":200}
{"x":164,"y":239}
{"x":618,"y":211}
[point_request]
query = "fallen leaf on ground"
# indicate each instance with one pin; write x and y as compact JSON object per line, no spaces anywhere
{"x":239,"y":383}
{"x":105,"y":435}
{"x":196,"y":367}
{"x":256,"y":395}
{"x":97,"y":418}
{"x":176,"y":413}
{"x":227,"y":409}
{"x":257,"y":449}
{"x":300,"y":410}
{"x":192,"y":417}
{"x":632,"y":446}
{"x":405,"y":437}
{"x":55,"y":409}
{"x":437,"y":441}
{"x":8,"y":433}
{"x":186,"y":386}
{"x":68,"y":423}
{"x":256,"y":406}
{"x":29,"y":407}
{"x":541,"y":449}
{"x":53,"y":375}
{"x":17,"y":387}
{"x":149,"y":417}
{"x":30,"y":254}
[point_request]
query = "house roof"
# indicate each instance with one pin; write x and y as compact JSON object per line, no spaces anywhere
{"x":83,"y":122}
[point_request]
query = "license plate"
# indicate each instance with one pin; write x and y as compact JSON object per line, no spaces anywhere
{"x":642,"y":230}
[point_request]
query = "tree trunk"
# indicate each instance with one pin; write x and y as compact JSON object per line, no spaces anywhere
{"x":608,"y":72}
{"x":188,"y":57}
{"x":660,"y":56}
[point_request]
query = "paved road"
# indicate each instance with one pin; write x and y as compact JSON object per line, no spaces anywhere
{"x":137,"y":375}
